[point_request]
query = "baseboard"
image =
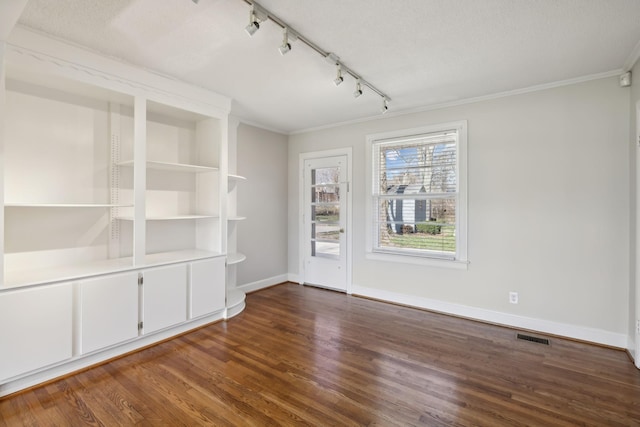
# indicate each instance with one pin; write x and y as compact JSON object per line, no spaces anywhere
{"x":581,"y":333}
{"x":294,"y":278}
{"x":264,"y":283}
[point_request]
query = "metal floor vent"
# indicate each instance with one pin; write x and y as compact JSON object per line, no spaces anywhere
{"x":533,"y":339}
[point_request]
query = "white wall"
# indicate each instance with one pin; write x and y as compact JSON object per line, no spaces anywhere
{"x":634,"y":159}
{"x":548,"y":212}
{"x":262,"y":159}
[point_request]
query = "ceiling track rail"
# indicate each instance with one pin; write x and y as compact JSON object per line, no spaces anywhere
{"x":330,"y":56}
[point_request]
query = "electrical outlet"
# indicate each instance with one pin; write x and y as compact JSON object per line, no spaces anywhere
{"x":513,"y":297}
{"x":638,"y":327}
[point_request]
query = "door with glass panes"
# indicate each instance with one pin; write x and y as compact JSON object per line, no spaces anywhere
{"x":325,"y":214}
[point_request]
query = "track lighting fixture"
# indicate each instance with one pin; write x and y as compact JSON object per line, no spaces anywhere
{"x":260,"y":14}
{"x":339,"y":79}
{"x":358,"y":90}
{"x":254,"y":25}
{"x":385,"y":107}
{"x":286,"y":46}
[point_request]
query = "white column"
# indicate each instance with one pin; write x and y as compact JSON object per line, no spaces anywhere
{"x":3,"y":100}
{"x":139,"y":179}
{"x":636,"y":316}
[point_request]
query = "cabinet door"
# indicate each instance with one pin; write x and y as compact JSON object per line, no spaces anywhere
{"x":109,"y":310}
{"x":36,"y":328}
{"x":207,"y":286}
{"x":165,"y":297}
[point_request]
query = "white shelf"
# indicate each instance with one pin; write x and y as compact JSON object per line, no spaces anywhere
{"x":15,"y":279}
{"x":170,"y":218}
{"x":64,"y":205}
{"x":177,"y":256}
{"x":173,"y":167}
{"x":236,"y":218}
{"x":235,"y":258}
{"x":236,"y":177}
{"x":35,"y":276}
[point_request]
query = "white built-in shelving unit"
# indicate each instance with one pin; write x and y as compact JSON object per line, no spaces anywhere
{"x":235,"y":296}
{"x":115,"y":221}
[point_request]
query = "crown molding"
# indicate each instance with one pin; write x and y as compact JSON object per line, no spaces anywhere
{"x":632,"y":58}
{"x":251,"y":123}
{"x":536,"y":88}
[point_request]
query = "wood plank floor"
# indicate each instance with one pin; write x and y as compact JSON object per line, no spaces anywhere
{"x":306,"y":356}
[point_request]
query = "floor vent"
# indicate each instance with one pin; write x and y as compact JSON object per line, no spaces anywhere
{"x":533,"y":339}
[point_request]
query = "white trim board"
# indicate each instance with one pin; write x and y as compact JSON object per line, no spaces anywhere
{"x":582,"y":333}
{"x":264,"y":283}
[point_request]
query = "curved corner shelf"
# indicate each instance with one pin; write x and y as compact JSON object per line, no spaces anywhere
{"x":236,"y":177}
{"x":235,"y":302}
{"x":236,"y":218}
{"x":172,"y":167}
{"x":235,"y":258}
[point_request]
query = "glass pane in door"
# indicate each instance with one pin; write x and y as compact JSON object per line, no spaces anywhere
{"x":325,"y":212}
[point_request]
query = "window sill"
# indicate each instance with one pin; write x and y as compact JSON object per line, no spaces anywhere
{"x":418,"y":260}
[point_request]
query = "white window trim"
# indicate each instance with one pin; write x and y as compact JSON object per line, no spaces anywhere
{"x":461,"y":260}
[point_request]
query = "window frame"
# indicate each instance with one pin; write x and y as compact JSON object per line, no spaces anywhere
{"x":412,"y":256}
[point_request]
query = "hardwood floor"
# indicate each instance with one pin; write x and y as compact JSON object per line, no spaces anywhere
{"x":306,"y":356}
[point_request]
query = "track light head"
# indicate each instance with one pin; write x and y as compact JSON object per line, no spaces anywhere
{"x":254,"y":24}
{"x":358,"y":90}
{"x":385,"y":107}
{"x":339,"y":79}
{"x":286,"y":46}
{"x":252,"y":28}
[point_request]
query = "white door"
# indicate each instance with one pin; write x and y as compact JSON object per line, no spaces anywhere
{"x":325,"y":219}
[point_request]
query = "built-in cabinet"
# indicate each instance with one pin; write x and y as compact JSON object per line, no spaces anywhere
{"x":165,"y":297}
{"x":108,"y":311}
{"x":115,"y":220}
{"x":204,"y":298}
{"x":36,"y":328}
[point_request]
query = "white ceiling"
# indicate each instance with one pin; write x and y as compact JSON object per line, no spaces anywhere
{"x":419,"y":52}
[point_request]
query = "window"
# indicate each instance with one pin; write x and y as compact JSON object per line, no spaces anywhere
{"x":418,"y":192}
